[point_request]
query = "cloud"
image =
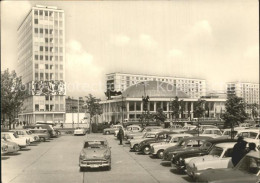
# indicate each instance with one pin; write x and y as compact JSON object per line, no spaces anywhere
{"x":83,"y":76}
{"x":175,"y":53}
{"x":146,"y":41}
{"x":120,"y":40}
{"x":252,"y":52}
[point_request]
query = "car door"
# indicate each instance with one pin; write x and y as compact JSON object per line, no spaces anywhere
{"x":225,"y":160}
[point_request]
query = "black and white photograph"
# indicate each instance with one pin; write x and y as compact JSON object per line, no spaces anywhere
{"x":130,"y":91}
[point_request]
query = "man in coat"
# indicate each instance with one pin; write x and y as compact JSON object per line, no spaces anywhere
{"x":121,"y":135}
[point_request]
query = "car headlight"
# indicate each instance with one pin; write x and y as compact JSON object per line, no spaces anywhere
{"x":82,"y":155}
{"x":107,"y":155}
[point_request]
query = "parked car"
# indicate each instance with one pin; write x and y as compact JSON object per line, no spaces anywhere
{"x":218,"y":157}
{"x":95,"y":153}
{"x":173,"y":139}
{"x":111,"y":130}
{"x":212,"y":132}
{"x":250,"y":135}
{"x":144,"y":130}
{"x":12,"y":147}
{"x":22,"y":133}
{"x":180,"y":159}
{"x":35,"y":136}
{"x":247,"y":170}
{"x":184,"y":145}
{"x":4,"y":148}
{"x":129,"y":129}
{"x":49,"y":128}
{"x":80,"y":131}
{"x":42,"y":133}
{"x":135,"y":142}
{"x":162,"y":136}
{"x":13,"y":137}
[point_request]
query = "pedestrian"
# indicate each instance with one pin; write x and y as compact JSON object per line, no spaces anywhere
{"x":239,"y":150}
{"x":20,"y":123}
{"x":120,"y":135}
{"x":24,"y":123}
{"x":251,"y":147}
{"x":61,"y":125}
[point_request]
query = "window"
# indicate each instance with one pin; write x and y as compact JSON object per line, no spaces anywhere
{"x":41,"y":48}
{"x":36,"y":66}
{"x":41,"y":57}
{"x":61,"y":67}
{"x":46,"y":48}
{"x":36,"y":76}
{"x":56,"y":58}
{"x":131,"y":106}
{"x":41,"y":76}
{"x":51,"y":98}
{"x":46,"y":97}
{"x":56,"y":66}
{"x":36,"y":21}
{"x":61,"y":58}
{"x":46,"y":13}
{"x":46,"y":57}
{"x":35,"y":12}
{"x":36,"y":30}
{"x":36,"y":57}
{"x":41,"y":30}
{"x":61,"y":49}
{"x":41,"y":13}
{"x":46,"y":76}
{"x":61,"y":76}
{"x":138,"y":106}
{"x":36,"y":107}
{"x":46,"y":31}
{"x":46,"y":107}
{"x":46,"y":40}
{"x":151,"y":106}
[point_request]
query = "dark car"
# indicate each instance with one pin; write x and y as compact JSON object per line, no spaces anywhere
{"x":178,"y":161}
{"x":187,"y":144}
{"x":145,"y":147}
{"x":247,"y":170}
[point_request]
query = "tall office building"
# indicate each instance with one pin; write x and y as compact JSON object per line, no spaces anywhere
{"x":194,"y":88}
{"x":41,"y":63}
{"x":248,"y":91}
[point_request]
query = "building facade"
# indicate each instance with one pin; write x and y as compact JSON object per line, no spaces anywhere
{"x":248,"y":91}
{"x":129,"y":106}
{"x":73,"y":104}
{"x":194,"y":88}
{"x":41,"y":64}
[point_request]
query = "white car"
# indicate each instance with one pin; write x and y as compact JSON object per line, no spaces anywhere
{"x":157,"y":149}
{"x":134,"y":142}
{"x":218,"y":157}
{"x":23,"y":133}
{"x":129,"y":129}
{"x":80,"y":131}
{"x":13,"y":137}
{"x":250,"y":135}
{"x":212,"y":132}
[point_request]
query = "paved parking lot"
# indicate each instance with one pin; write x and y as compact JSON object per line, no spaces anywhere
{"x":57,"y":161}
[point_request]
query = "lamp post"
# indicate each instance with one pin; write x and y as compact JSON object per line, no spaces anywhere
{"x":145,"y":100}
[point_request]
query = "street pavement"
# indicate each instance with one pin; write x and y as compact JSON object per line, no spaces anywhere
{"x":57,"y":161}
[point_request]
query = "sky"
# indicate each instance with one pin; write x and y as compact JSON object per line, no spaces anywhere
{"x":213,"y":40}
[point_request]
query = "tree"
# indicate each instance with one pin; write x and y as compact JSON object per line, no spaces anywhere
{"x":13,"y":93}
{"x":235,"y":111}
{"x":254,"y":110}
{"x":160,"y":116}
{"x":199,"y":110}
{"x":175,"y":104}
{"x":93,"y":108}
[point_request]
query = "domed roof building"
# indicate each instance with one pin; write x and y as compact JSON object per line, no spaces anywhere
{"x":131,"y":106}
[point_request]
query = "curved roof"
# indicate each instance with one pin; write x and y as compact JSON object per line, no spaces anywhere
{"x":154,"y":89}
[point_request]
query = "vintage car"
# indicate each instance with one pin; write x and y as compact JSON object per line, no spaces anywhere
{"x":144,"y":146}
{"x":129,"y":129}
{"x":247,"y":170}
{"x":250,"y":135}
{"x":80,"y":131}
{"x":12,"y":147}
{"x":172,"y":140}
{"x":23,"y":133}
{"x":180,"y":159}
{"x":49,"y":128}
{"x":144,"y":130}
{"x":43,"y":134}
{"x":95,"y":153}
{"x":135,"y":142}
{"x":111,"y":130}
{"x":218,"y":157}
{"x":212,"y":132}
{"x":184,"y":145}
{"x":13,"y":137}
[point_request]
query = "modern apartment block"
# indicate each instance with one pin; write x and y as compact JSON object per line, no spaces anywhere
{"x":41,"y":63}
{"x":194,"y":88}
{"x":248,"y":91}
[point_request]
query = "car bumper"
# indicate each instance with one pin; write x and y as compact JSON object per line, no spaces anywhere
{"x":94,"y":164}
{"x":190,"y":172}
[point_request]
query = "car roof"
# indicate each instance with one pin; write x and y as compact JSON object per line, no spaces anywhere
{"x":133,"y":126}
{"x":167,"y":132}
{"x":255,"y":154}
{"x":221,"y":140}
{"x":198,"y":138}
{"x":180,"y":134}
{"x":95,"y":139}
{"x":153,"y":127}
{"x":225,"y":145}
{"x":249,"y":130}
{"x":212,"y":129}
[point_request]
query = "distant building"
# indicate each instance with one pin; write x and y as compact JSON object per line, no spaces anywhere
{"x":194,"y":88}
{"x":41,"y":64}
{"x":248,"y":91}
{"x":72,"y":105}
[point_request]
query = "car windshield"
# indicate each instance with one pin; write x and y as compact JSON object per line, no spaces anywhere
{"x":205,"y":146}
{"x":216,"y":151}
{"x":94,"y":144}
{"x":15,"y":135}
{"x":249,"y":165}
{"x":207,"y":132}
{"x":176,"y":139}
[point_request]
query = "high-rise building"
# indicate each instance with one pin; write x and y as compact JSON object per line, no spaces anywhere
{"x":194,"y":88}
{"x":248,"y":91}
{"x":41,"y":63}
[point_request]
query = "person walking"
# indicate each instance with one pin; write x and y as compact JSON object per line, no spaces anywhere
{"x":120,"y":135}
{"x":239,"y":150}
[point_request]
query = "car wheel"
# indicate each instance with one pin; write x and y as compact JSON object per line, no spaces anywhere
{"x":108,"y":168}
{"x":107,"y":132}
{"x":146,"y":150}
{"x":135,"y":147}
{"x":160,"y":154}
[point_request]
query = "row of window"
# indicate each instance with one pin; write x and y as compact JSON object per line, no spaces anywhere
{"x":48,"y":13}
{"x":48,"y":76}
{"x":48,"y":66}
{"x":48,"y":31}
{"x":50,"y":107}
{"x":56,"y":22}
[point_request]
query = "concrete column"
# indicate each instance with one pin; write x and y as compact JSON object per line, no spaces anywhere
{"x":53,"y":117}
{"x":214,"y":108}
{"x":168,"y":106}
{"x":127,"y":110}
{"x":154,"y":105}
{"x":191,"y":110}
{"x":44,"y":117}
{"x":141,"y":106}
